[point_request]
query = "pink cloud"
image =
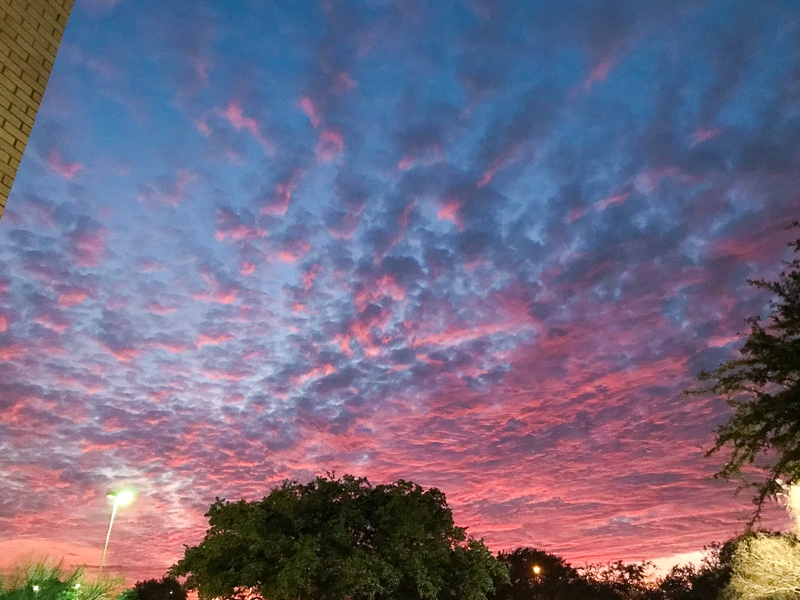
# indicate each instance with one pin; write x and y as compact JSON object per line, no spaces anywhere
{"x":224,"y":375}
{"x":73,"y":554}
{"x":454,"y":337}
{"x":53,"y":321}
{"x":316,"y":373}
{"x":343,"y":83}
{"x":214,"y":340}
{"x":151,"y":266}
{"x":203,"y":127}
{"x":599,"y":72}
{"x":230,"y":227}
{"x":722,"y":340}
{"x":219,"y":296}
{"x":246,"y":268}
{"x":88,"y":247}
{"x":598,"y":206}
{"x":279,"y":203}
{"x":385,"y":287}
{"x":3,"y":324}
{"x":157,"y":308}
{"x":201,"y":65}
{"x":346,"y":228}
{"x":299,"y":307}
{"x":308,"y":106}
{"x":343,"y":341}
{"x":502,"y":160}
{"x":173,"y":347}
{"x":310,"y":275}
{"x":220,"y":293}
{"x":365,"y":327}
{"x":124,"y":355}
{"x":406,"y":163}
{"x":449,"y":211}
{"x":294,"y":250}
{"x":72,"y":296}
{"x":402,"y":223}
{"x":330,"y":145}
{"x":64,"y":169}
{"x":701,"y":135}
{"x":234,"y":115}
{"x":647,"y":181}
{"x":606,"y":202}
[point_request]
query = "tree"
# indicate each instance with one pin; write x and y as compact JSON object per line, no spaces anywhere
{"x":626,"y":581}
{"x":333,"y":539}
{"x":766,"y":565}
{"x":763,"y":388}
{"x":539,"y":575}
{"x":167,"y":588}
{"x":687,"y":582}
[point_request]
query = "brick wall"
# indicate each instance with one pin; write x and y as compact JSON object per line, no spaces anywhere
{"x":30,"y":33}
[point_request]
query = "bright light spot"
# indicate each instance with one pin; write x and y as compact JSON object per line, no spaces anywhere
{"x":125,"y":497}
{"x":537,"y":569}
{"x":793,"y":505}
{"x":122,"y":497}
{"x":36,"y":588}
{"x":77,"y":586}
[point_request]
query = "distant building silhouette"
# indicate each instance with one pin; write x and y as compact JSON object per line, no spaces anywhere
{"x":30,"y":33}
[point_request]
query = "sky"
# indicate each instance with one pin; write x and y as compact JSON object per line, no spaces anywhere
{"x":481,"y":246}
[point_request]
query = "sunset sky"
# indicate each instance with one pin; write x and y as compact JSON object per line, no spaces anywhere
{"x":479,"y":245}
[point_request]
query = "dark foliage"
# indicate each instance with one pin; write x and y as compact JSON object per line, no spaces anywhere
{"x":333,"y":539}
{"x":48,"y":581}
{"x":536,"y":575}
{"x":167,"y":588}
{"x":763,"y":387}
{"x":539,"y":575}
{"x":704,"y":583}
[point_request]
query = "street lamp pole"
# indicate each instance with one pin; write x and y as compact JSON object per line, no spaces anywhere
{"x":121,"y":498}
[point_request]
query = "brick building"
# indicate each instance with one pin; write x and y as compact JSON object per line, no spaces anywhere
{"x":30,"y":33}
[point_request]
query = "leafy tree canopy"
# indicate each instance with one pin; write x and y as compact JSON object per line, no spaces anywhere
{"x":539,"y":575}
{"x":687,"y":582}
{"x":763,"y":387}
{"x":167,"y":588}
{"x":333,"y":539}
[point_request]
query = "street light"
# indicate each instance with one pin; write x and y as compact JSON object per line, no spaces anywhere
{"x":121,"y":498}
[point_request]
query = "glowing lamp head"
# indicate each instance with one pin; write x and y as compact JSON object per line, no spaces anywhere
{"x":536,"y":569}
{"x":122,"y":497}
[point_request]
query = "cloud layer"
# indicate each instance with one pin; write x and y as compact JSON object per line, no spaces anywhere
{"x":480,"y":246}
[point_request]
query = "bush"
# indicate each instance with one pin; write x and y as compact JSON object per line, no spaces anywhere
{"x":166,"y":588}
{"x":50,"y":581}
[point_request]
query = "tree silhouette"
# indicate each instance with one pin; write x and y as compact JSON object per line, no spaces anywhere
{"x":539,"y":575}
{"x":333,"y":539}
{"x":763,"y":387}
{"x":166,"y":588}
